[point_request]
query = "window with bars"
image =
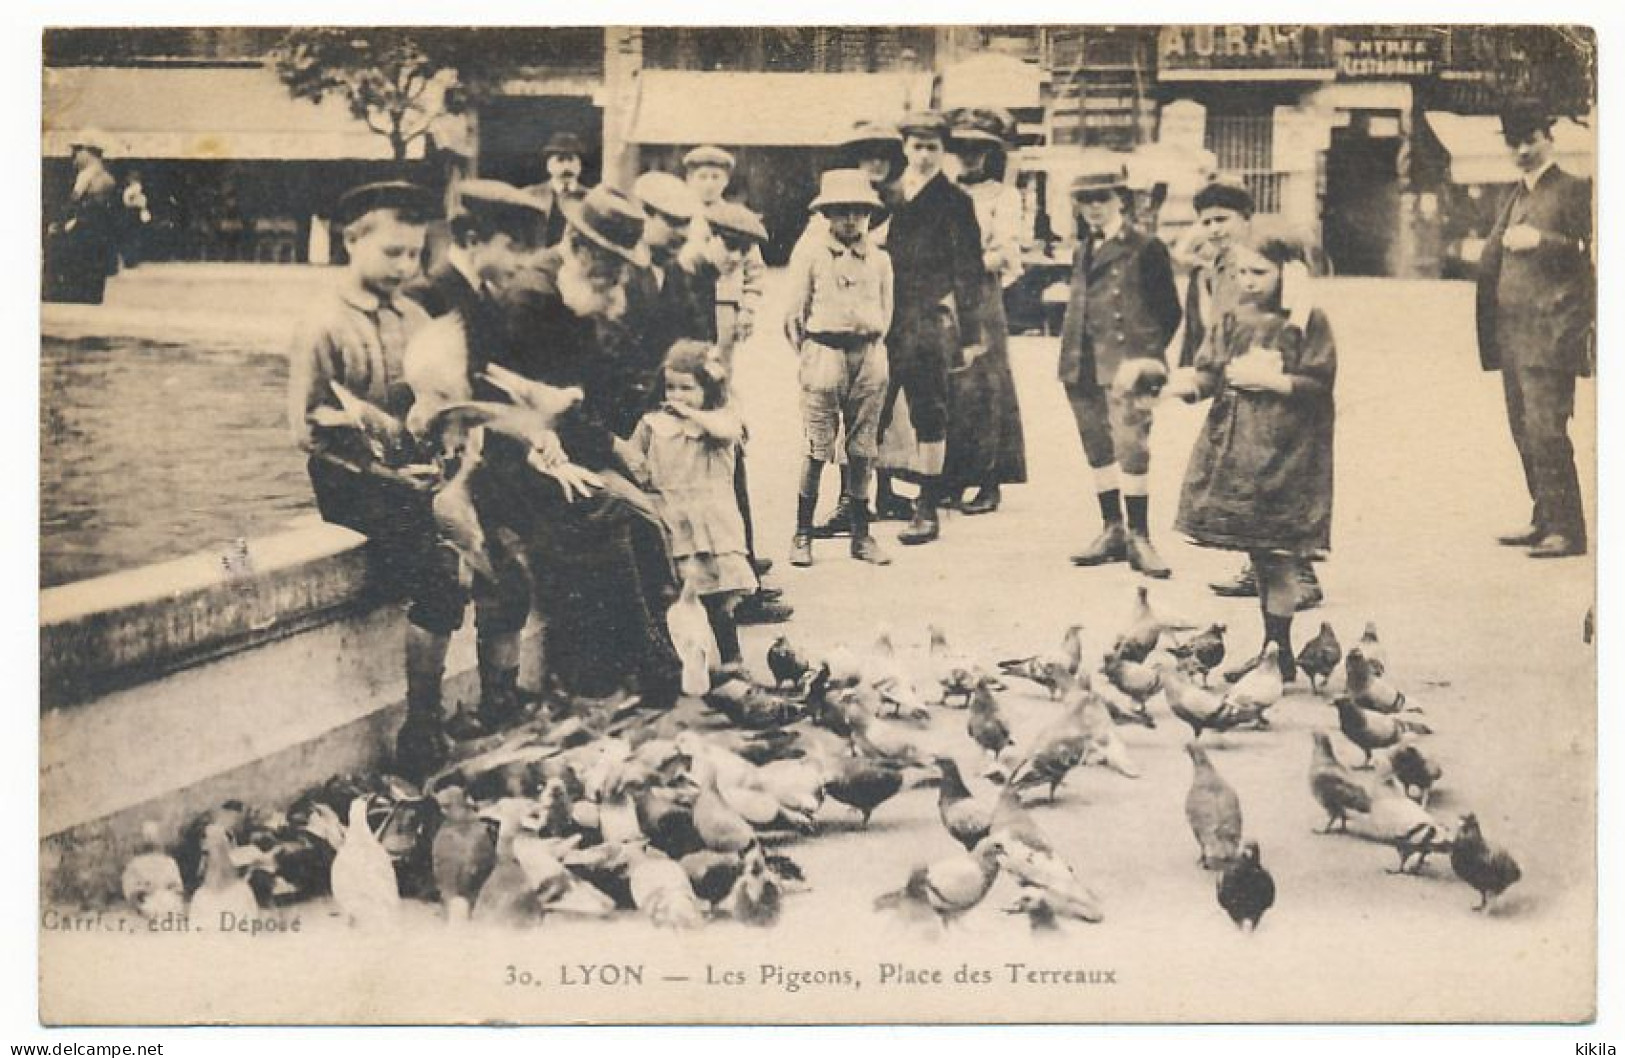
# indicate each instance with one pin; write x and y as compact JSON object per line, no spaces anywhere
{"x":1245,"y":145}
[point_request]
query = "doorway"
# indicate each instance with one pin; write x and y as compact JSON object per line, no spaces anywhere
{"x":1361,"y":221}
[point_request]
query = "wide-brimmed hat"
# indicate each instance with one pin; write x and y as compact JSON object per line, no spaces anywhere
{"x":845,"y":187}
{"x":1105,"y":172}
{"x":1225,"y":191}
{"x":708,"y":155}
{"x":1520,"y":117}
{"x":878,"y":133}
{"x":94,"y":140}
{"x":980,"y":125}
{"x":611,"y":220}
{"x":924,"y":123}
{"x":666,"y":193}
{"x":735,"y":219}
{"x":565,"y":143}
{"x":413,"y":200}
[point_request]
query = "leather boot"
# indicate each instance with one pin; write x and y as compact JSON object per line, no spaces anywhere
{"x":924,"y":528}
{"x":1110,"y":546}
{"x":839,"y":522}
{"x":1243,"y":585}
{"x":1143,"y":558}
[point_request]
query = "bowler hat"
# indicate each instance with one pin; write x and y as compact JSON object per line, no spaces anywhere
{"x":1521,"y":117}
{"x":979,"y":125}
{"x":845,"y":187}
{"x":412,"y":200}
{"x":608,"y":218}
{"x":666,"y":193}
{"x":96,"y":141}
{"x":708,"y":155}
{"x":1105,"y":172}
{"x":1225,"y":191}
{"x":924,"y":123}
{"x":565,"y":143}
{"x":877,"y":133}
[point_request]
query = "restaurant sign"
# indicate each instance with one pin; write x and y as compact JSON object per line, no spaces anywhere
{"x":1371,"y":56}
{"x":1215,"y":52}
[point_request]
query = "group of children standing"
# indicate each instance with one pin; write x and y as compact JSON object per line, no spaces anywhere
{"x":656,"y":290}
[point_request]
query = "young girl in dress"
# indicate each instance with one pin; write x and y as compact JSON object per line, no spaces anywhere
{"x":1260,"y":475}
{"x":687,"y":449}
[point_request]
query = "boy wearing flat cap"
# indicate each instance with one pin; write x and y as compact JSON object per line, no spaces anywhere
{"x":708,"y":170}
{"x":935,"y":245}
{"x":1536,"y":325}
{"x":355,"y":336}
{"x":1122,"y":312}
{"x":840,"y":308}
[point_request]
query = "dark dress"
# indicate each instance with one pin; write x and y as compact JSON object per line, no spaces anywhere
{"x":986,"y":443}
{"x":1260,"y":475}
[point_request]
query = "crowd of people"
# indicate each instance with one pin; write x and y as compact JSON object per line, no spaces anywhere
{"x":561,"y":433}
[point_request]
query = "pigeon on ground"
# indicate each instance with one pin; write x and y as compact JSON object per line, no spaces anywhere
{"x":1213,"y":811}
{"x":364,"y":884}
{"x":1246,"y":890}
{"x":862,"y":783}
{"x":1334,"y":786}
{"x":1139,"y":681}
{"x":786,"y":663}
{"x":1368,"y":689}
{"x":1320,"y":656}
{"x":1396,"y":820}
{"x":1049,"y":670}
{"x":1415,"y":770}
{"x":1032,"y":859}
{"x":463,"y":851}
{"x":1144,"y":630}
{"x":986,"y":724}
{"x":661,"y":889}
{"x":758,"y":894}
{"x":1370,"y":730}
{"x":951,"y":886}
{"x":1373,"y":649}
{"x":1489,"y":870}
{"x":955,"y":675}
{"x":1198,"y":707}
{"x":968,"y":818}
{"x":1204,"y":651}
{"x":151,"y":881}
{"x":1256,"y":692}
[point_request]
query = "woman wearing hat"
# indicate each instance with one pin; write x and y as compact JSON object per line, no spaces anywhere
{"x":986,"y":444}
{"x":84,"y":243}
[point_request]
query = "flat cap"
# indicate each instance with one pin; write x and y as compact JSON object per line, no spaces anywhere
{"x":666,"y":193}
{"x":731,"y":217}
{"x":413,"y":200}
{"x":708,"y":155}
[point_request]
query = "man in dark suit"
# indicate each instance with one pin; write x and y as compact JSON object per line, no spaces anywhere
{"x":935,"y":245}
{"x":562,"y":158}
{"x":1536,"y":314}
{"x":1122,"y":312}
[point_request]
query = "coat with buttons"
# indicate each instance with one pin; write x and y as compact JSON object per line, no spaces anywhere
{"x":1540,"y":304}
{"x":1123,"y":305}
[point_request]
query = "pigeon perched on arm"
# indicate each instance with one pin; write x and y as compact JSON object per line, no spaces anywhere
{"x":1334,"y":787}
{"x":1213,"y":811}
{"x":1320,"y":656}
{"x":1489,"y":870}
{"x":1246,"y":890}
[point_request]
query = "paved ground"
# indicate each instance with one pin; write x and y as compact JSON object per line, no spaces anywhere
{"x":1487,"y":641}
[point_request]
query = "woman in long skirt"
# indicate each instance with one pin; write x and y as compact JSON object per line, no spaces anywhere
{"x":986,"y":444}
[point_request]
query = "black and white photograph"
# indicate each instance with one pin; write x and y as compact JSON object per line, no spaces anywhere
{"x":809,"y":524}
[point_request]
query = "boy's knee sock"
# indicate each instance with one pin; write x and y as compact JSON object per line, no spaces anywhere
{"x":723,"y":628}
{"x":812,"y":472}
{"x":1138,"y":508}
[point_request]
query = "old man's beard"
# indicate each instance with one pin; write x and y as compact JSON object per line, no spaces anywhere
{"x":587,"y":293}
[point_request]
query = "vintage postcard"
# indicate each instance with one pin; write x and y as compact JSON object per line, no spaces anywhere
{"x":807,"y":524}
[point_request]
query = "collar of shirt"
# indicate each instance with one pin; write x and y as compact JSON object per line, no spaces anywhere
{"x":1531,"y":179}
{"x":1110,"y":231}
{"x":457,"y":257}
{"x":912,"y":183}
{"x":837,"y":248}
{"x":361,"y":299}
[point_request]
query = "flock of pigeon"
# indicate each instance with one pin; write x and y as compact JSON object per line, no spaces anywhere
{"x":694,"y":813}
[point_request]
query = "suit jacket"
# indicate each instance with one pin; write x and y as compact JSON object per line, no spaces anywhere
{"x":936,"y":251}
{"x":1540,"y":304}
{"x":552,"y":203}
{"x":1123,"y":305}
{"x":443,"y":290}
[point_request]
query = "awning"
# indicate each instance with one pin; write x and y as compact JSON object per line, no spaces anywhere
{"x":1478,"y":154}
{"x":203,"y":113}
{"x":993,"y":80}
{"x":683,"y":107}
